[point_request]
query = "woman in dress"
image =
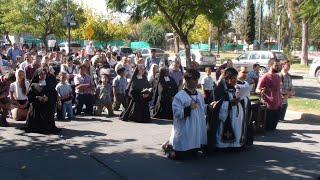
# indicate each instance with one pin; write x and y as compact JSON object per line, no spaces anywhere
{"x":18,"y":95}
{"x":42,"y":98}
{"x":138,"y":94}
{"x":164,"y":94}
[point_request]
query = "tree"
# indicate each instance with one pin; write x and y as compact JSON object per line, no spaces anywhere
{"x":250,"y":23}
{"x":200,"y":32}
{"x":38,"y":17}
{"x":151,"y":33}
{"x":181,"y":14}
{"x":294,"y":8}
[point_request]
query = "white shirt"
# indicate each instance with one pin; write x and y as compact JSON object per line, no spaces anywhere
{"x":111,"y":61}
{"x":90,"y":50}
{"x":208,"y":83}
{"x":17,"y":90}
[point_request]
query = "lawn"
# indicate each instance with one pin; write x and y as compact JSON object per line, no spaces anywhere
{"x":300,"y":104}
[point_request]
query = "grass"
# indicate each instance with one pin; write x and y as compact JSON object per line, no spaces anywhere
{"x":304,"y":105}
{"x":300,"y":104}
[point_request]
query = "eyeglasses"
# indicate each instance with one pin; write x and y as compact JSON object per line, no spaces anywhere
{"x":244,"y":72}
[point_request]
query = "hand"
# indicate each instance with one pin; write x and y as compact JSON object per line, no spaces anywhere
{"x":44,"y":98}
{"x":213,"y":104}
{"x":39,"y":98}
{"x":235,"y":101}
{"x":145,"y":95}
{"x":263,"y":90}
{"x":194,"y":105}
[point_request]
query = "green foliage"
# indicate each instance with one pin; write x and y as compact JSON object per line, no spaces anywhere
{"x":151,"y":33}
{"x":250,"y":22}
{"x":180,"y":14}
{"x":38,"y":17}
{"x":311,"y":10}
{"x":288,"y":51}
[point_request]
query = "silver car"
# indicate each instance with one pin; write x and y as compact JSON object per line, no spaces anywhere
{"x":204,"y":58}
{"x":249,"y":58}
{"x":146,"y":52}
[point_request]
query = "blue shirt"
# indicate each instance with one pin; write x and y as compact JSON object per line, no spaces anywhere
{"x":13,"y":53}
{"x":120,"y":84}
{"x":176,"y":75}
{"x":151,"y":60}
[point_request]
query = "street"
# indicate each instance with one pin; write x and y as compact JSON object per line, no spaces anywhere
{"x":107,"y":148}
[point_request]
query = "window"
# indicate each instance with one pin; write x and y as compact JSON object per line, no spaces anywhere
{"x":265,"y":55}
{"x":126,"y":50}
{"x":159,"y":51}
{"x":206,"y":53}
{"x":255,"y":55}
{"x":61,"y":45}
{"x":145,"y":51}
{"x":182,"y":53}
{"x":244,"y":56}
{"x":75,"y":45}
{"x":280,"y":56}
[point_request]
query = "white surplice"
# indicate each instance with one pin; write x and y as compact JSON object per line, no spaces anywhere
{"x":236,"y":117}
{"x":188,"y":132}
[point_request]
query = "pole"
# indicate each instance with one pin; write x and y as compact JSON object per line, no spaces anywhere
{"x":260,"y":27}
{"x":68,"y":14}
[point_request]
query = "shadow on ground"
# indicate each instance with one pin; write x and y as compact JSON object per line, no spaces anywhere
{"x":307,"y":92}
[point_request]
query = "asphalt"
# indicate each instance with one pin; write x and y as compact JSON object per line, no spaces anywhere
{"x":107,"y":148}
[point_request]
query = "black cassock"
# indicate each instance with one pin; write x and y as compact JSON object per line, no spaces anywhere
{"x":40,"y":115}
{"x":213,"y":122}
{"x":164,"y":93}
{"x":138,"y":107}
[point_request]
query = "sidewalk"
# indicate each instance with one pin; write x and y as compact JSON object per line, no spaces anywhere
{"x":107,"y":148}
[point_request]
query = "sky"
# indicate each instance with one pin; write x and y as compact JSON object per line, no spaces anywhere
{"x":99,"y":6}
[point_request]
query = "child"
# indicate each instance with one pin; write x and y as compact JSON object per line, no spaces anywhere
{"x":103,"y":94}
{"x":64,"y":96}
{"x":207,"y":86}
{"x":119,"y":88}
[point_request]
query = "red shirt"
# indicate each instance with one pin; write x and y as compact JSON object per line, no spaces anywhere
{"x":272,"y":96}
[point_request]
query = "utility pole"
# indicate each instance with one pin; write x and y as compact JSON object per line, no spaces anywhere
{"x":68,"y":23}
{"x":260,"y":26}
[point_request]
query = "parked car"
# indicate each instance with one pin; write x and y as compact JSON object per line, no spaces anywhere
{"x":204,"y":58}
{"x":146,"y":52}
{"x":249,"y":58}
{"x":75,"y":47}
{"x":315,"y":68}
{"x":125,"y":51}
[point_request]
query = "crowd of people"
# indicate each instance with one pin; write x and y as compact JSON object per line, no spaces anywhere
{"x":40,"y":86}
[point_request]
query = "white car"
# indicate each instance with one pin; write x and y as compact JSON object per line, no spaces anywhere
{"x":249,"y":58}
{"x":75,"y":47}
{"x":204,"y":58}
{"x":315,"y":69}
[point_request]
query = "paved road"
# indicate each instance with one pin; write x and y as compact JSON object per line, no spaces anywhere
{"x":107,"y":148}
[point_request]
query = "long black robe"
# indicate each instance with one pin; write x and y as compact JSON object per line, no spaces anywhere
{"x":138,"y":108}
{"x":164,"y":93}
{"x":40,"y":118}
{"x":213,"y":120}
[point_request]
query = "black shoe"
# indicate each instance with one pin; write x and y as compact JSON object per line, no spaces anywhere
{"x":4,"y":123}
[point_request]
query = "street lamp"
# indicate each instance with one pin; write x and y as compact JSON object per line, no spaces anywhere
{"x":280,"y":7}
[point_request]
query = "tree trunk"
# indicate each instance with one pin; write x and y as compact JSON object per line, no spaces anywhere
{"x":176,"y":44}
{"x":44,"y":40}
{"x":7,"y":38}
{"x":304,"y":49}
{"x":186,"y":44}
